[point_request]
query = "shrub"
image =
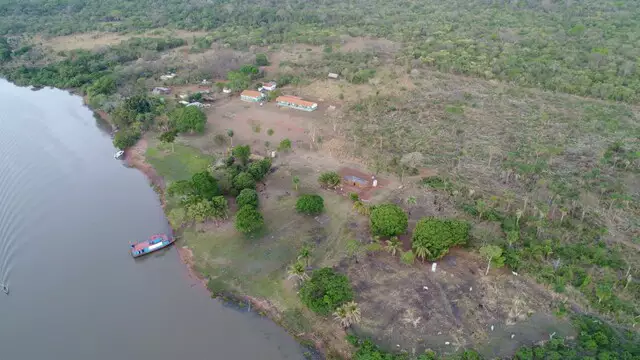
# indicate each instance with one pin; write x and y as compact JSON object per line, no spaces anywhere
{"x":248,"y":220}
{"x":325,"y":291}
{"x":354,"y":197}
{"x":437,"y":236}
{"x":329,"y":179}
{"x":388,"y":220}
{"x":247,"y":197}
{"x":285,"y":145}
{"x":262,"y":60}
{"x":242,"y":153}
{"x":310,"y":204}
{"x":188,"y":119}
{"x":126,"y":138}
{"x":244,"y":180}
{"x":259,"y":169}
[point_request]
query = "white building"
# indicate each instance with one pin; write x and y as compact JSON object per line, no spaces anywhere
{"x":270,"y":86}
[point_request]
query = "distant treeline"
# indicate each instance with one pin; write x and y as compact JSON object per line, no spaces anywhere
{"x":584,"y":47}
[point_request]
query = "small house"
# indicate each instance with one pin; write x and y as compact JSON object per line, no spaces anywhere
{"x":333,"y":76}
{"x":252,"y":96}
{"x":296,"y":103}
{"x":161,"y":91}
{"x":226,"y":90}
{"x":270,"y":86}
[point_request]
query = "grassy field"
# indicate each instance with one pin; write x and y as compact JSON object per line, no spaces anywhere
{"x":177,"y":163}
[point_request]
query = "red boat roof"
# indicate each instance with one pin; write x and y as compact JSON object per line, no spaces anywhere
{"x":146,"y":243}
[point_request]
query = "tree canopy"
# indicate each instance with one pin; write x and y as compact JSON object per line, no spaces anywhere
{"x":388,"y":220}
{"x":310,"y":204}
{"x":248,"y":220}
{"x":437,"y":236}
{"x":188,"y":119}
{"x":325,"y":291}
{"x":247,"y":197}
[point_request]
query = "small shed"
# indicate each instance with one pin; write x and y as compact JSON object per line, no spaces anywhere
{"x":356,"y":181}
{"x":226,"y":90}
{"x":252,"y":96}
{"x":333,"y":76}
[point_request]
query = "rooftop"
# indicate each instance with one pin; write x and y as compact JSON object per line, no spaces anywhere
{"x":295,"y":100}
{"x":251,"y":93}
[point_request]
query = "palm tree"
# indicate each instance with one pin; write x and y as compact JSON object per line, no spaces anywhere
{"x":296,"y":182}
{"x":421,"y":251}
{"x":305,"y":255}
{"x":348,"y":314}
{"x":393,"y":245}
{"x":230,"y":134}
{"x":297,"y":271}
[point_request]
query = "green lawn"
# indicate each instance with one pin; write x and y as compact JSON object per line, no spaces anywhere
{"x":179,"y":163}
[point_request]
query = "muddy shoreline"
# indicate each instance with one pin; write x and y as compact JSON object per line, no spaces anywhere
{"x":135,"y":158}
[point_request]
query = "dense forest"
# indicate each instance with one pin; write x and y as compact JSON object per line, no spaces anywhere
{"x":589,"y":47}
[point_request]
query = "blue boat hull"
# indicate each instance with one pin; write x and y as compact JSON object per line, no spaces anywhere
{"x":149,"y":246}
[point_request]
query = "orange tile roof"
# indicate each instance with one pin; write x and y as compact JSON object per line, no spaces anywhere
{"x":251,"y":93}
{"x":295,"y":100}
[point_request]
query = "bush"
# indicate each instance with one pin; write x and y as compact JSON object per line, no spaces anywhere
{"x":329,"y":179}
{"x":259,"y":169}
{"x":437,"y":236}
{"x":325,"y":291}
{"x":248,"y":220}
{"x":244,"y":180}
{"x":188,"y":119}
{"x":388,"y":220}
{"x":285,"y":145}
{"x":247,"y":197}
{"x":310,"y":204}
{"x":242,"y":153}
{"x":126,"y":138}
{"x":262,"y":60}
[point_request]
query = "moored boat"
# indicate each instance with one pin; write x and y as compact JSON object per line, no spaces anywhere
{"x":119,"y":155}
{"x":155,"y":242}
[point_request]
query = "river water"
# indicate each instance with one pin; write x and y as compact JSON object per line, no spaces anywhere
{"x":68,"y":211}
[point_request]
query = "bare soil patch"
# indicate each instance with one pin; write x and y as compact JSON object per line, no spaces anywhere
{"x":413,"y":309}
{"x":94,"y":40}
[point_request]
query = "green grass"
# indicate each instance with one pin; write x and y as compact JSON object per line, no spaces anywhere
{"x":179,"y":164}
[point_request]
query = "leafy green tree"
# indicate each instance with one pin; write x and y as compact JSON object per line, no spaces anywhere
{"x":220,"y":207}
{"x":200,"y":211}
{"x":204,"y":185}
{"x":259,"y":169}
{"x":247,"y":197}
{"x":169,"y":137}
{"x":105,"y":85}
{"x":242,"y":153}
{"x":437,"y":236}
{"x":188,"y":119}
{"x":285,"y":145}
{"x":177,"y":217}
{"x":325,"y":291}
{"x":388,"y":220}
{"x":329,"y":179}
{"x":238,"y":81}
{"x":493,"y":255}
{"x":262,"y":60}
{"x":126,"y":138}
{"x":244,"y":180}
{"x":248,"y":220}
{"x":310,"y":204}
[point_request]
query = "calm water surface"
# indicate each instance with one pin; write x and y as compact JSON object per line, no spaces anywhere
{"x":68,"y":211}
